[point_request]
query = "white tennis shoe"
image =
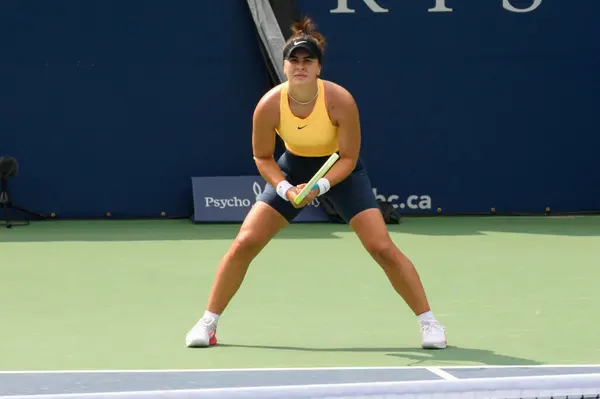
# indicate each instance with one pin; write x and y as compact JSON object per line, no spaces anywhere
{"x":433,"y":335}
{"x":203,"y":334}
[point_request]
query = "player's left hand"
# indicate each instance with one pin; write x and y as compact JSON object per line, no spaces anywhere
{"x":310,"y":197}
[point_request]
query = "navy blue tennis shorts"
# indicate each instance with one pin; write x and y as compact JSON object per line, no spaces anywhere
{"x":349,"y":197}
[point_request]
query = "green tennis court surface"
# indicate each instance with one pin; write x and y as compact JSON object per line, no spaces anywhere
{"x":105,"y":295}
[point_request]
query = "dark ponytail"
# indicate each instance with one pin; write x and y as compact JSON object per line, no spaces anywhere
{"x":305,"y":29}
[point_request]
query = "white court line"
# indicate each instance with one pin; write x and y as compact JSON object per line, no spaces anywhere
{"x":441,"y":373}
{"x":522,"y":383}
{"x":225,"y":370}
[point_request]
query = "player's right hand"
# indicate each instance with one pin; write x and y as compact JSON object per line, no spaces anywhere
{"x":291,"y":195}
{"x":310,"y":197}
{"x":294,"y":191}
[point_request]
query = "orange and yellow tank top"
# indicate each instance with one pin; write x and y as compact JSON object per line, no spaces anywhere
{"x":313,"y":136}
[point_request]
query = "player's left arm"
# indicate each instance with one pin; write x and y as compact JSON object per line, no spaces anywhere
{"x":346,"y":117}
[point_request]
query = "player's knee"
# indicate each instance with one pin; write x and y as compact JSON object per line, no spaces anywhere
{"x":248,"y":243}
{"x":383,"y":251}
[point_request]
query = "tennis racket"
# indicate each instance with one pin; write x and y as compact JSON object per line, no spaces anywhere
{"x":320,"y":173}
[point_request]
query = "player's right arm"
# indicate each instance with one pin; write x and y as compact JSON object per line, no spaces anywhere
{"x":264,"y":122}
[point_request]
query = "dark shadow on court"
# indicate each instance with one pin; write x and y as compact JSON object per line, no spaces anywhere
{"x":184,"y":229}
{"x":150,"y":230}
{"x":417,"y":355}
{"x":579,"y":226}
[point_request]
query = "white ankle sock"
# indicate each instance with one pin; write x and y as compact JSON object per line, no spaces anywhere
{"x":427,"y":316}
{"x":211,"y":315}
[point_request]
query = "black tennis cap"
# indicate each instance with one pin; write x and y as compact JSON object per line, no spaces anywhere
{"x":302,"y":43}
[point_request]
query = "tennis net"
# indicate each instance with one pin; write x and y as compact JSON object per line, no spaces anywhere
{"x":581,"y":386}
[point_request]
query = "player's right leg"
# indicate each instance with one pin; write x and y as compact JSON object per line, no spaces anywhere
{"x":267,"y":217}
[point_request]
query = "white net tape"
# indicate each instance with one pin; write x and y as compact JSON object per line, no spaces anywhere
{"x":582,"y":386}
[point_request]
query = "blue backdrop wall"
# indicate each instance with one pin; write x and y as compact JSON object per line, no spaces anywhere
{"x":114,"y":106}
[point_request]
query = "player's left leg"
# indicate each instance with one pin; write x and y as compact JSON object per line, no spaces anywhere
{"x":353,"y":199}
{"x":371,"y":229}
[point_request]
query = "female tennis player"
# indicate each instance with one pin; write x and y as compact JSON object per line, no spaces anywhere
{"x":314,"y":118}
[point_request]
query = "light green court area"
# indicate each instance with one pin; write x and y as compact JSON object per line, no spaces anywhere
{"x":122,"y":295}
